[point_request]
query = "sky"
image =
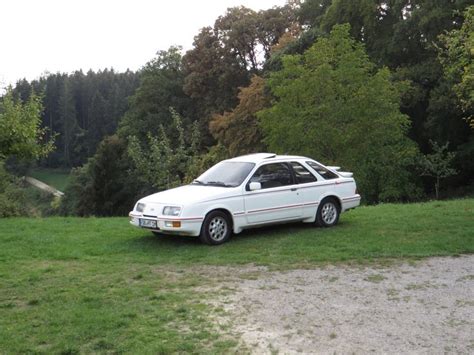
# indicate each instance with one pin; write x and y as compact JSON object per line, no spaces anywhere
{"x":40,"y":36}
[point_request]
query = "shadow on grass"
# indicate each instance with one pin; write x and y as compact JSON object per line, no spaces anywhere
{"x":270,"y":233}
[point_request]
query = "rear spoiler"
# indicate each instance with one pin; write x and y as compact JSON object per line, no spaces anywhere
{"x":345,"y":174}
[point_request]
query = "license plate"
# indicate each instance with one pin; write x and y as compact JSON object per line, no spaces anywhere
{"x":148,"y":223}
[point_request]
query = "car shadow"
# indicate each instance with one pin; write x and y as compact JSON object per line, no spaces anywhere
{"x":267,"y":233}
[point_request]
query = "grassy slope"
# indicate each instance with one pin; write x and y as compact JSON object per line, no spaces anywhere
{"x":88,"y":285}
{"x":54,"y":177}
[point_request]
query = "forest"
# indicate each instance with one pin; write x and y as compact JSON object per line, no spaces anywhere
{"x":384,"y":89}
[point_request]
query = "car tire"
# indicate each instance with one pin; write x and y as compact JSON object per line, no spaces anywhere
{"x":216,"y":228}
{"x":328,"y":212}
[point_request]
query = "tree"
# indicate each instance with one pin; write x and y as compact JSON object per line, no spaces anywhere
{"x":70,"y":130}
{"x":161,"y":86}
{"x":21,"y":137}
{"x":437,"y":164}
{"x":163,"y":163}
{"x":402,"y":35}
{"x":226,"y":55}
{"x":104,"y":186}
{"x":274,"y":23}
{"x":331,"y":103}
{"x":80,"y":109}
{"x":249,"y":35}
{"x":213,"y":75}
{"x":20,"y":128}
{"x":238,"y":130}
{"x":456,"y":56}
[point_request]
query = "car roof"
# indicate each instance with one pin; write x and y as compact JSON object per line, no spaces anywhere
{"x":263,"y":157}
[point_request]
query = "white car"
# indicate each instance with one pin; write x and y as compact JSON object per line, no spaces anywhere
{"x":249,"y":191}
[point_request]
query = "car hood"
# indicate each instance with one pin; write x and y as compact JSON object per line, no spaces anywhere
{"x":187,"y":194}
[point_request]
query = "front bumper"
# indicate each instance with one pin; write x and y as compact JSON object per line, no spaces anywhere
{"x":190,"y":226}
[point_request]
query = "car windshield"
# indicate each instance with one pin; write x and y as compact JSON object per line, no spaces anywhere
{"x":225,"y":174}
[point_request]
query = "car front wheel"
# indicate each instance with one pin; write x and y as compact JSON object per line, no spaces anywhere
{"x":216,"y":228}
{"x":328,"y":213}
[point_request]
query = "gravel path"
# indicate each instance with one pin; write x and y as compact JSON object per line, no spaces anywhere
{"x":425,"y":307}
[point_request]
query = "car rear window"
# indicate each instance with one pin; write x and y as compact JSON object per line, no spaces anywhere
{"x":321,"y":170}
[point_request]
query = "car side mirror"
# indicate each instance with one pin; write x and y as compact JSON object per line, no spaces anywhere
{"x":255,"y":186}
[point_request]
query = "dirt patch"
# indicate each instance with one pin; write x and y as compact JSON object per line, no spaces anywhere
{"x":426,"y":307}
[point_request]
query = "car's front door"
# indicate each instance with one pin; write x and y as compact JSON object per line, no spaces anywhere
{"x":277,"y":200}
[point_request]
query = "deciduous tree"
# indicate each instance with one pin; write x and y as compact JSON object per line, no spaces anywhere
{"x":160,"y":162}
{"x":456,"y":56}
{"x":238,"y":130}
{"x":437,"y":164}
{"x":21,"y":133}
{"x":161,"y":86}
{"x":331,"y":103}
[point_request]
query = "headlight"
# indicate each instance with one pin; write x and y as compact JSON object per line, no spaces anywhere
{"x":171,"y":211}
{"x":140,"y":207}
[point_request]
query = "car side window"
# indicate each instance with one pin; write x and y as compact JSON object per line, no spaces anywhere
{"x":273,"y":175}
{"x":302,"y":175}
{"x":321,"y":170}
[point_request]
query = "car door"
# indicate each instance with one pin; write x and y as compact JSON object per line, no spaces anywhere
{"x":310,"y":188}
{"x":277,"y":200}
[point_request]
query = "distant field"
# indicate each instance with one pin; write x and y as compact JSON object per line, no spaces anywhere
{"x":99,"y":285}
{"x":57,"y":178}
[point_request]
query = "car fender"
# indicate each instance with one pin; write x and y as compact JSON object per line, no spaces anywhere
{"x":330,"y":193}
{"x":221,"y":206}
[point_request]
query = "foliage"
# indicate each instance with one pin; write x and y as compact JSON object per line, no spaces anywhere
{"x":212,"y":75}
{"x":242,"y":31}
{"x":437,"y":164}
{"x":160,"y":163}
{"x":79,"y":110}
{"x":21,"y":133}
{"x":103,"y":186}
{"x":161,"y":86}
{"x":200,"y":163}
{"x":238,"y":130}
{"x":425,"y":44}
{"x":226,"y":55}
{"x":19,"y":199}
{"x":11,"y":196}
{"x":327,"y":101}
{"x":404,"y":36}
{"x":457,"y":60}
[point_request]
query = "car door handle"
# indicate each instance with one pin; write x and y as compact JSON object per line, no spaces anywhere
{"x":294,"y":189}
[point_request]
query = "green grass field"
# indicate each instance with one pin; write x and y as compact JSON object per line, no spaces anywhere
{"x":57,"y":178}
{"x":72,"y":285}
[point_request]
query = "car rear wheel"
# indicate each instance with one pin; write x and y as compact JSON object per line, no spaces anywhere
{"x":328,"y":212}
{"x":216,"y":228}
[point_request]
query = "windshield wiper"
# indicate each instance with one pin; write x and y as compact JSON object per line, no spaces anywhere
{"x":218,"y":183}
{"x":198,"y":182}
